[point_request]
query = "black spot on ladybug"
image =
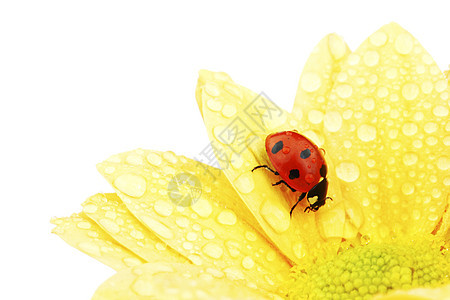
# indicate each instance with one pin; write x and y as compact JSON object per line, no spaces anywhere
{"x":323,"y":170}
{"x":277,"y":147}
{"x":305,"y":154}
{"x":294,"y":173}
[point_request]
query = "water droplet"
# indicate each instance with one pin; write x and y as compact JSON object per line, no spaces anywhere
{"x":132,"y":261}
{"x":404,"y":43}
{"x":110,"y":226}
{"x":244,"y":183}
{"x":347,"y":171}
{"x":208,"y":234}
{"x":90,"y":208}
{"x":409,"y":129}
{"x":202,"y":207}
{"x":191,"y":236}
{"x":344,"y":90}
{"x":382,"y":92}
{"x":109,"y":170}
{"x":315,"y":116}
{"x":378,"y":39}
{"x":365,"y":202}
{"x":410,"y":158}
{"x":233,"y":90}
{"x":310,"y":82}
{"x":368,"y":104}
{"x":440,"y":111}
{"x":430,"y":127}
{"x":299,"y":250}
{"x":131,"y":184}
{"x":395,"y":199}
{"x":410,"y":91}
{"x":212,"y":89}
{"x":182,"y":222}
{"x":214,"y":105}
{"x":431,"y":140}
{"x":213,"y":250}
{"x":391,"y":73}
{"x":353,"y":59}
{"x":372,"y":188}
{"x":163,"y":208}
{"x":441,"y":85}
{"x":333,"y":121}
{"x":443,"y":163}
{"x":227,"y":217}
{"x":170,"y":157}
{"x":367,"y":133}
{"x":408,"y":188}
{"x":188,"y":245}
{"x":134,"y":160}
{"x":433,"y":217}
{"x":229,"y":110}
{"x":236,"y":160}
{"x":154,"y":159}
{"x":84,"y":225}
{"x":371,"y":58}
{"x":248,"y":263}
{"x":276,"y":216}
{"x":137,"y":234}
{"x":159,"y":228}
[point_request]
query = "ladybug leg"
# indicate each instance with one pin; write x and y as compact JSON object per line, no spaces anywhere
{"x":284,"y":182}
{"x":298,"y":201}
{"x":267,"y":168}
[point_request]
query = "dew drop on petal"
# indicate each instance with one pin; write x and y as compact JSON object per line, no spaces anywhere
{"x":236,"y":160}
{"x":208,"y":234}
{"x":227,"y":217}
{"x":344,"y":90}
{"x":299,"y":250}
{"x":213,"y":250}
{"x":408,"y":188}
{"x":276,"y":216}
{"x":214,"y":105}
{"x":315,"y":116}
{"x":440,"y":111}
{"x":368,"y":104}
{"x":443,"y":163}
{"x":131,"y":184}
{"x":410,"y":158}
{"x":378,"y":39}
{"x":163,"y":208}
{"x":371,"y":58}
{"x":310,"y":82}
{"x":229,"y":110}
{"x":90,"y":208}
{"x":367,"y":133}
{"x":110,"y":225}
{"x":410,"y":91}
{"x":244,"y":183}
{"x":347,"y":171}
{"x":154,"y":159}
{"x":404,"y":43}
{"x":409,"y":129}
{"x":202,"y":207}
{"x":248,"y":262}
{"x":333,"y":121}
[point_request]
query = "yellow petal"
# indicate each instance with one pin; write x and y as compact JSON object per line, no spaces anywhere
{"x":442,"y":293}
{"x":238,"y":121}
{"x":194,"y":209}
{"x":386,"y":120}
{"x":173,"y":281}
{"x":109,"y":212}
{"x":317,"y":79}
{"x":82,"y":233}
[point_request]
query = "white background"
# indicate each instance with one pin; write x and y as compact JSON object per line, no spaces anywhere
{"x":82,"y":80}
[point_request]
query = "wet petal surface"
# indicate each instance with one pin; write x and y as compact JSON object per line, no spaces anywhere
{"x":239,"y":144}
{"x":173,"y":281}
{"x":193,"y":208}
{"x":108,"y":211}
{"x":82,"y":233}
{"x":386,"y":124}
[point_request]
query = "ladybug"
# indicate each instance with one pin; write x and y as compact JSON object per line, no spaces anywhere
{"x":301,"y":166}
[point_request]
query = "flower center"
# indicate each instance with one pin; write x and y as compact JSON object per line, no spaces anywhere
{"x":364,"y":271}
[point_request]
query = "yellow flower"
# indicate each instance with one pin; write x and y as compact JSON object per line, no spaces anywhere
{"x":178,"y":228}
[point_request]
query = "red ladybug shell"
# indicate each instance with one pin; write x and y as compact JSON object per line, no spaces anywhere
{"x":298,"y":160}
